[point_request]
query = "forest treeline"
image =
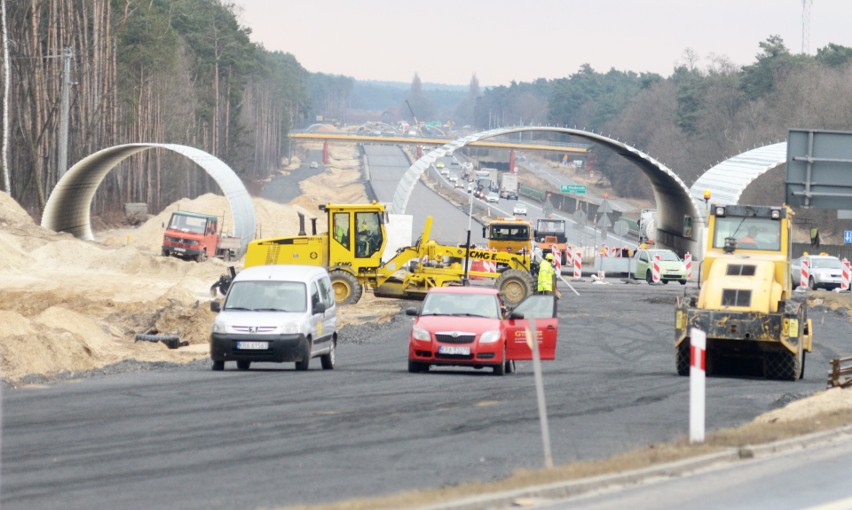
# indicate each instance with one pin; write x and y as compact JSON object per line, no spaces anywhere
{"x":693,"y":119}
{"x":169,"y":71}
{"x":187,"y":72}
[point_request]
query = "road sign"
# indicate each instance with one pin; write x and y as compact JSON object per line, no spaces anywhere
{"x":847,"y":237}
{"x":621,"y":227}
{"x":572,"y":188}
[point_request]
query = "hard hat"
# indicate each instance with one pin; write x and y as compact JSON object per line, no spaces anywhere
{"x":549,"y":256}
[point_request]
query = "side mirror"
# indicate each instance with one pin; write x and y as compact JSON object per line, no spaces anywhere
{"x":215,"y":306}
{"x":319,"y":308}
{"x":484,"y":233}
{"x":516,"y":315}
{"x":412,"y":312}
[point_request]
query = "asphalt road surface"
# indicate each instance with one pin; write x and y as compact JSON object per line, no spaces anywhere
{"x":189,"y":437}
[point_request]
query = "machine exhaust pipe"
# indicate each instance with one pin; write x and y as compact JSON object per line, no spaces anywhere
{"x":313,"y":226}
{"x":302,"y":224}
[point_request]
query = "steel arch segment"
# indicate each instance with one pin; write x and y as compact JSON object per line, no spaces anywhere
{"x":68,"y":207}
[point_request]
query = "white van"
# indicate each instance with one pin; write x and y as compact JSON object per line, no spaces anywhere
{"x":276,"y":313}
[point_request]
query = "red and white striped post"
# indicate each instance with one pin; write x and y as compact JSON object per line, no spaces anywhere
{"x":578,"y":264}
{"x":845,"y":275}
{"x":655,"y":269}
{"x":697,"y":376}
{"x":687,"y":261}
{"x":805,"y":275}
{"x":557,"y":258}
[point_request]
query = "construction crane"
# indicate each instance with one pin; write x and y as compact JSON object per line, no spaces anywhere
{"x":414,"y":117}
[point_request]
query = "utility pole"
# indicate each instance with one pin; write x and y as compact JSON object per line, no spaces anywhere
{"x":65,"y":107}
{"x":7,"y":180}
{"x":806,"y":26}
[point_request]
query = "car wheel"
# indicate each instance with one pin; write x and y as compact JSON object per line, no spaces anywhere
{"x":665,"y":282}
{"x":302,"y":364}
{"x":416,"y":367}
{"x":811,"y":283}
{"x":243,"y":365}
{"x":329,"y":360}
{"x":682,"y":282}
{"x":649,"y":277}
{"x":500,"y":368}
{"x":201,"y":257}
{"x":218,"y":366}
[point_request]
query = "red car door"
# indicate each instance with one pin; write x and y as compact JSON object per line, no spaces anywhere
{"x":541,"y":308}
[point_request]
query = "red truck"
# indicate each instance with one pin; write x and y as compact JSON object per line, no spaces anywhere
{"x":196,"y":236}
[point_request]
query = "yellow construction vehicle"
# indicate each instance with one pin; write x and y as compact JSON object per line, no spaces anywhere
{"x":510,"y":235}
{"x":352,"y":249}
{"x":745,"y":303}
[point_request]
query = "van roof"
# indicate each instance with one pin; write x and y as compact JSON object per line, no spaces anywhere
{"x":281,"y":272}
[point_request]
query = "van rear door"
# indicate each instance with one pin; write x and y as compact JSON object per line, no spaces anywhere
{"x":542,"y":308}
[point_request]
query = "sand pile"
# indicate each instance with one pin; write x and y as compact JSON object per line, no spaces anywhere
{"x":73,"y":305}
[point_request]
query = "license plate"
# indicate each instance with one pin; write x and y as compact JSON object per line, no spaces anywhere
{"x":452,"y":349}
{"x":252,"y":346}
{"x":180,"y":249}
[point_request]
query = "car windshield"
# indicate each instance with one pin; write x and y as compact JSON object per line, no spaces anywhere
{"x":664,"y":255}
{"x":188,"y":223}
{"x":257,"y":296}
{"x":551,"y":226}
{"x":826,"y":263}
{"x":465,"y":305}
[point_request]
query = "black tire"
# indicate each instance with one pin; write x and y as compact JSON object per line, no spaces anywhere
{"x":243,"y":365}
{"x":811,"y":283}
{"x":564,"y":257}
{"x":303,"y":364}
{"x":165,"y":252}
{"x":415,"y":367}
{"x":347,"y":288}
{"x":201,"y":257}
{"x":783,"y":366}
{"x":682,"y":356}
{"x":665,"y":282}
{"x":330,"y":360}
{"x":682,"y":282}
{"x":514,"y":285}
{"x":649,"y":277}
{"x":218,"y":366}
{"x":500,"y":368}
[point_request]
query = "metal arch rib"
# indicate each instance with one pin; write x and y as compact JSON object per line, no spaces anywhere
{"x":69,"y":205}
{"x":727,"y":180}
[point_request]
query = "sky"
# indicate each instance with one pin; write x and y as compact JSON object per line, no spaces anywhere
{"x":500,"y":41}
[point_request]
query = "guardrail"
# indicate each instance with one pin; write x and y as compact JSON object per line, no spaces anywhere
{"x":840,"y":376}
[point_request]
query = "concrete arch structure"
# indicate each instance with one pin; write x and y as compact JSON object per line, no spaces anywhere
{"x":672,"y":196}
{"x":727,"y":180}
{"x":69,"y":205}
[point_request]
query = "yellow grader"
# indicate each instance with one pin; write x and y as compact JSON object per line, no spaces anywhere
{"x":352,"y":250}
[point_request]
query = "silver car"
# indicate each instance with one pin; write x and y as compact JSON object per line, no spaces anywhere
{"x":824,"y":271}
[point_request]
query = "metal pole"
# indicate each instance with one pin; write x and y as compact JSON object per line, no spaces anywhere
{"x":539,"y":391}
{"x":65,"y":107}
{"x":467,"y":245}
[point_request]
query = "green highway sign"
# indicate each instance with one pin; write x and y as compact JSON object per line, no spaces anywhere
{"x":572,"y":188}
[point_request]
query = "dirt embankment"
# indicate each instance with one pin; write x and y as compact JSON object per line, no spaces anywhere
{"x":72,"y":305}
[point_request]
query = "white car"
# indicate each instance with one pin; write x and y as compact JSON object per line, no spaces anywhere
{"x":314,"y":164}
{"x":519,"y":210}
{"x":824,"y":272}
{"x":492,"y":197}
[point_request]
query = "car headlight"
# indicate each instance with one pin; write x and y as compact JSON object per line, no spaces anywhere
{"x":291,"y":328}
{"x":218,"y":327}
{"x":489,"y":337}
{"x":420,"y":334}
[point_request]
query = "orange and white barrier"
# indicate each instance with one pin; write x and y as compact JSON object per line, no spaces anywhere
{"x":578,"y":264}
{"x":805,"y":275}
{"x":687,"y":261}
{"x":845,"y":275}
{"x":486,"y":266}
{"x":557,"y":258}
{"x":655,"y":269}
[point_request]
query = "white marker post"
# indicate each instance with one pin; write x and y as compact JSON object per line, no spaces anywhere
{"x":697,"y":367}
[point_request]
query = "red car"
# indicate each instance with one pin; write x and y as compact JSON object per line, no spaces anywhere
{"x":469,"y":326}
